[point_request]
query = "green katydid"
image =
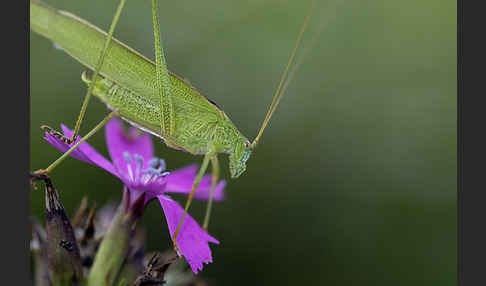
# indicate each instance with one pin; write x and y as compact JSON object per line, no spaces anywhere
{"x":150,"y":97}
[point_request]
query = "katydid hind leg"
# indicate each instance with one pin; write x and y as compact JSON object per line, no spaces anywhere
{"x":97,"y":70}
{"x":214,"y":182}
{"x":162,"y":82}
{"x":86,"y":100}
{"x":194,"y":186}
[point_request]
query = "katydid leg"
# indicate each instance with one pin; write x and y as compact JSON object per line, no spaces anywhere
{"x":86,"y":137}
{"x":96,"y":71}
{"x":195,"y":184}
{"x":214,"y":181}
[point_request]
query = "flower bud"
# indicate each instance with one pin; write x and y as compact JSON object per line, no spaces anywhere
{"x":64,"y":262}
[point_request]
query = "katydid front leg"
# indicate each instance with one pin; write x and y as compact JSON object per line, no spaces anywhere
{"x":214,"y":181}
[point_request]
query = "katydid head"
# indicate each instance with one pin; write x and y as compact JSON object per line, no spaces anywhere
{"x":238,"y":157}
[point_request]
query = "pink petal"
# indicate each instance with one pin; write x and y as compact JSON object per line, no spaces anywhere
{"x":180,"y":181}
{"x":192,"y":240}
{"x":119,"y":141}
{"x":84,"y":152}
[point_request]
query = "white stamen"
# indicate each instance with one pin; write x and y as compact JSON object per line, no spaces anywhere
{"x":153,"y":162}
{"x":145,"y":179}
{"x":130,"y":173}
{"x":127,"y":157}
{"x":162,"y":165}
{"x":138,"y":165}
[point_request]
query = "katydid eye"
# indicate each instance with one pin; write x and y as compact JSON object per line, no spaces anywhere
{"x":247,"y":144}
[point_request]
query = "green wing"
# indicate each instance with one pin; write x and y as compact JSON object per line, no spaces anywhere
{"x":123,"y":65}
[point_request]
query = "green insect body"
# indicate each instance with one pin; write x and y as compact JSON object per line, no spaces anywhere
{"x":128,"y":85}
{"x":199,"y":128}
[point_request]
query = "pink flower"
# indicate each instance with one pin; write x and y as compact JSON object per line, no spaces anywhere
{"x":133,"y":162}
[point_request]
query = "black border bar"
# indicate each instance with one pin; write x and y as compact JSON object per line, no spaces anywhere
{"x":471,"y":147}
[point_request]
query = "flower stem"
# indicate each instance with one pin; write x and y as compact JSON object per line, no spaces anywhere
{"x":113,"y":249}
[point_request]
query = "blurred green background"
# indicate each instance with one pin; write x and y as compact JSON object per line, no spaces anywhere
{"x":355,"y":180}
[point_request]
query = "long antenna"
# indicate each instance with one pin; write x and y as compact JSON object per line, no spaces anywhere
{"x":302,"y":57}
{"x":278,"y":95}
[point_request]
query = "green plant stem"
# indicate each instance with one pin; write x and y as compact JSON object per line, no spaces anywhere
{"x":113,"y":250}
